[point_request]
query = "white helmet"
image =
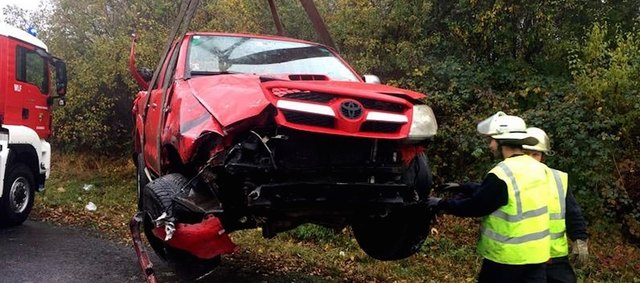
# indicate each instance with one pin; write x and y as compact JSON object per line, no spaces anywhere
{"x":507,"y":129}
{"x":543,"y":140}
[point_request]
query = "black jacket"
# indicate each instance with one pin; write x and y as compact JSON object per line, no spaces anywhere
{"x":574,"y":220}
{"x":483,"y":199}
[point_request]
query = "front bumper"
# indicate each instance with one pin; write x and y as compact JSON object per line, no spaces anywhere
{"x":301,"y":196}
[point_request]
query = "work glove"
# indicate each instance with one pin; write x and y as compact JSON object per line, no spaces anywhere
{"x":451,"y":189}
{"x":580,"y":253}
{"x":458,"y":191}
{"x":448,"y":187}
{"x":433,"y":202}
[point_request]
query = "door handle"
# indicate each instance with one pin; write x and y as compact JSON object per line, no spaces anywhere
{"x":25,"y":113}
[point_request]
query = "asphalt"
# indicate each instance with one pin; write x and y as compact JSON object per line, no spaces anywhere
{"x":41,"y":252}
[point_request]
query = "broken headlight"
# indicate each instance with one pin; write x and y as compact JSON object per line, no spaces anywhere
{"x":423,"y":123}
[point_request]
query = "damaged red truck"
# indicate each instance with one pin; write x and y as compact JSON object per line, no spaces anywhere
{"x":243,"y":131}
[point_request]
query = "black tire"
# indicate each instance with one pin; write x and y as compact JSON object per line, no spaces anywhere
{"x":401,"y":232}
{"x":418,"y":176}
{"x":141,"y":179}
{"x":158,"y":197}
{"x":17,"y":196}
{"x":398,"y":235}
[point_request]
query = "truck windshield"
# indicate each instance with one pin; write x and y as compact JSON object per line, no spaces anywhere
{"x":211,"y":55}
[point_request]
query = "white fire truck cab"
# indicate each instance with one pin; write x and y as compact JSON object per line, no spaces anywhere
{"x":31,"y":80}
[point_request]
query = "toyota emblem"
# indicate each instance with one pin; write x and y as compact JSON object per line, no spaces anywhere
{"x":351,"y":109}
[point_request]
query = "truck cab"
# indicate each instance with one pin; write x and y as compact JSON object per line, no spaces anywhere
{"x":31,"y":80}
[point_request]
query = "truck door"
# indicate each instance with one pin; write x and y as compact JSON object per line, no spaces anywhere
{"x":28,"y":102}
{"x":152,"y":128}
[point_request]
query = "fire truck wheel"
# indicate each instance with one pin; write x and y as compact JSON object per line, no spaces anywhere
{"x":17,"y":195}
{"x":158,"y":197}
{"x":141,"y":179}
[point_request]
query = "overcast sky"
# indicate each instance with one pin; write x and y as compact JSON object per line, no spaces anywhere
{"x":24,"y":4}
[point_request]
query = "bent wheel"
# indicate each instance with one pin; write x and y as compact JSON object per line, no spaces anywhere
{"x":158,"y":198}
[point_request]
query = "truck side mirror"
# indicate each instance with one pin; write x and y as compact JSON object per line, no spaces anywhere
{"x":60,"y":100}
{"x":371,"y":79}
{"x":145,"y":73}
{"x":61,"y":77}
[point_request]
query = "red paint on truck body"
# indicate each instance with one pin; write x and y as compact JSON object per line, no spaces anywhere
{"x":23,"y":96}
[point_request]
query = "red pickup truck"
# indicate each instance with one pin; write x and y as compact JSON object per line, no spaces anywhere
{"x":239,"y":131}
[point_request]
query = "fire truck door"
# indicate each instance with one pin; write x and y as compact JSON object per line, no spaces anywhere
{"x":31,"y":90}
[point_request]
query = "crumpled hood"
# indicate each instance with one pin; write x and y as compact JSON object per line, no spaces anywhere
{"x":232,"y":98}
{"x":379,"y":88}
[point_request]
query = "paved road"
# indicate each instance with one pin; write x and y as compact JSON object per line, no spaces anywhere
{"x":41,"y":252}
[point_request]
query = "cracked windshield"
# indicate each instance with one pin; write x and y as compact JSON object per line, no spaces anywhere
{"x":212,"y":55}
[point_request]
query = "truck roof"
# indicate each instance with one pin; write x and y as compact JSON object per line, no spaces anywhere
{"x":14,"y":32}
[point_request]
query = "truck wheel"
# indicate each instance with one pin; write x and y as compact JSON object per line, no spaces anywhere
{"x":141,"y":179}
{"x":17,"y":195}
{"x":418,"y":176}
{"x":158,"y":197}
{"x":398,"y":235}
{"x":401,"y":232}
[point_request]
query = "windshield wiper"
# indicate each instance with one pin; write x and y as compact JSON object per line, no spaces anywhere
{"x":276,"y":56}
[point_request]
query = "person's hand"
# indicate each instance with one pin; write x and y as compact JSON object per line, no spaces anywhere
{"x":448,"y":187}
{"x":580,"y":253}
{"x":433,"y":202}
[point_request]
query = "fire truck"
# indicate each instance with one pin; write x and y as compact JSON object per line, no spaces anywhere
{"x":31,"y":80}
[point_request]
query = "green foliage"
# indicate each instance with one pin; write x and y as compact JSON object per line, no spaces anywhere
{"x":93,"y":37}
{"x":605,"y":72}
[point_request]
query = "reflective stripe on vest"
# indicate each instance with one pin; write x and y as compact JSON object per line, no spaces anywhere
{"x":561,"y":195}
{"x":557,"y":224}
{"x":516,"y":190}
{"x":514,"y":240}
{"x":518,"y":232}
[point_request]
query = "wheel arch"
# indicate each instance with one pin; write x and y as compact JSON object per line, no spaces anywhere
{"x":171,"y":161}
{"x":27,"y":147}
{"x":26,"y":154}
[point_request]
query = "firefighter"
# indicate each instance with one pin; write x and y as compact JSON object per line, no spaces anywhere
{"x":566,"y":218}
{"x":512,"y":201}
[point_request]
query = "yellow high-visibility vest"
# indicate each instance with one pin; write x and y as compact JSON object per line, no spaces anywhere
{"x":557,"y":212}
{"x":518,"y":232}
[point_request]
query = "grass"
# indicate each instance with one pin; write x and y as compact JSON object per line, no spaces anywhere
{"x":77,"y":180}
{"x":448,"y":255}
